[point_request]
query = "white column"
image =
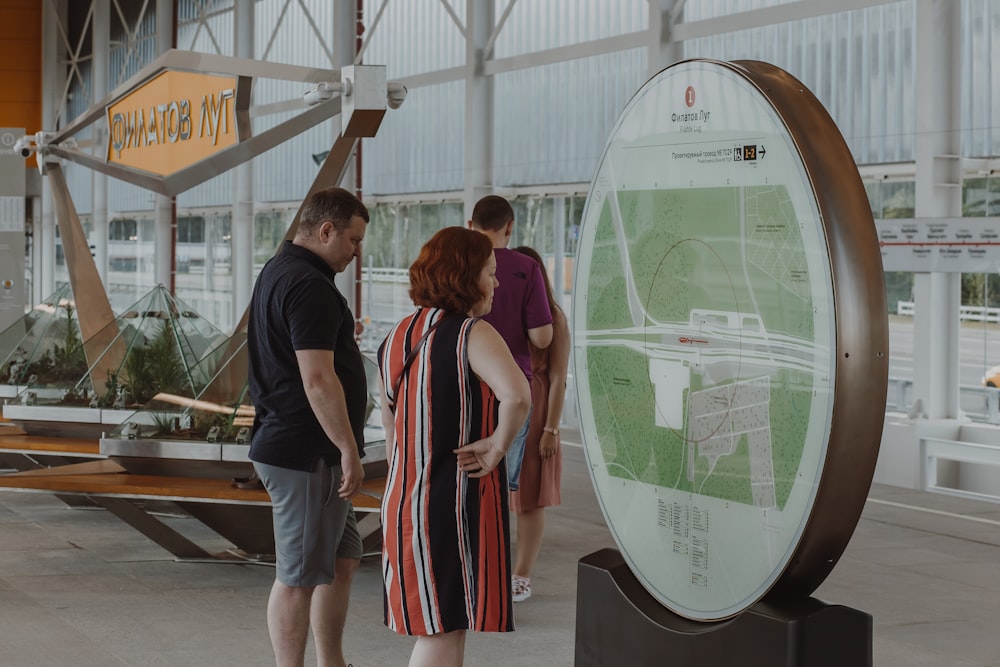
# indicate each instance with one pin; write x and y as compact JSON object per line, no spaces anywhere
{"x":208,"y":245}
{"x":558,"y":248}
{"x":53,"y":80}
{"x":663,"y":50}
{"x":345,"y":18}
{"x":242,"y":233}
{"x":101,"y":65}
{"x":478,"y":103}
{"x":163,"y":220}
{"x":164,"y":240}
{"x":938,"y":194}
{"x":36,"y":257}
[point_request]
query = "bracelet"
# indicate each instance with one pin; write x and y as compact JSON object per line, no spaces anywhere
{"x":553,"y":431}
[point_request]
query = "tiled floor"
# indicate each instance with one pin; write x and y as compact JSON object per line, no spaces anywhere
{"x":79,"y":587}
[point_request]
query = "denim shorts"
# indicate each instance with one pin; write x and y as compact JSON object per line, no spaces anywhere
{"x":313,"y":526}
{"x":515,"y":455}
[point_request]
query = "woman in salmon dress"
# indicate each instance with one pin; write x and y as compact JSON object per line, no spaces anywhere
{"x":541,"y":470}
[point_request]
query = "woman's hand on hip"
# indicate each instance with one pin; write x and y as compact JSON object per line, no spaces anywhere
{"x":479,"y":458}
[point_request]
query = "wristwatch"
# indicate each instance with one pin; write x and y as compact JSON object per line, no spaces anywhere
{"x":553,"y":431}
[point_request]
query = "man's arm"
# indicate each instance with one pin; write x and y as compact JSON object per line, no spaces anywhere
{"x":537,"y":309}
{"x":541,"y":336}
{"x":326,"y":398}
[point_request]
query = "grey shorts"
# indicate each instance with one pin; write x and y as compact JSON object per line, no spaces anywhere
{"x":313,"y":526}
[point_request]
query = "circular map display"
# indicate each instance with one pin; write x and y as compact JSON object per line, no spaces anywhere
{"x":707,"y":353}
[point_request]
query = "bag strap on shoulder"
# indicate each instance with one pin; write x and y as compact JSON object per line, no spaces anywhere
{"x":414,"y":351}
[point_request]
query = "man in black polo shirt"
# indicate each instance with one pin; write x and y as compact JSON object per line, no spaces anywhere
{"x":308,"y":387}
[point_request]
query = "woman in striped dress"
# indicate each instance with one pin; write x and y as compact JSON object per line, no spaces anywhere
{"x":453,"y":399}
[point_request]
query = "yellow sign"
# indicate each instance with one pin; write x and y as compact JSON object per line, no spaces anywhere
{"x":173,"y":121}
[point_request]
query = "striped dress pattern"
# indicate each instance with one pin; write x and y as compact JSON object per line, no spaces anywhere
{"x":445,"y":536}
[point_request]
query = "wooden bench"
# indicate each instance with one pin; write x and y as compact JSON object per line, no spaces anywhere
{"x":22,"y":452}
{"x":17,"y":442}
{"x":243,"y":516}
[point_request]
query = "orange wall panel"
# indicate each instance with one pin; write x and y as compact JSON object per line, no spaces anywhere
{"x":22,"y":87}
{"x":20,"y":19}
{"x":21,"y":64}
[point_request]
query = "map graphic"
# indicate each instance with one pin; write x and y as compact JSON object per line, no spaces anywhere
{"x":716,"y":343}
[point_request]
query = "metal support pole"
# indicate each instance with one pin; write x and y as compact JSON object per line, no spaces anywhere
{"x":165,"y":234}
{"x":478,"y":103}
{"x":558,"y":248}
{"x":345,"y":22}
{"x":938,"y":194}
{"x":243,"y":184}
{"x":53,"y":79}
{"x":663,"y":50}
{"x":99,"y":215}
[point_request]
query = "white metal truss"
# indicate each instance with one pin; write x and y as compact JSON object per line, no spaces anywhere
{"x":681,"y":31}
{"x":767,"y":16}
{"x":371,"y":30}
{"x":73,"y":57}
{"x":201,"y":21}
{"x":132,"y":39}
{"x":317,"y":33}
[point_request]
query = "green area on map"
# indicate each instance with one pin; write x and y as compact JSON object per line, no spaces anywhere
{"x":734,"y":251}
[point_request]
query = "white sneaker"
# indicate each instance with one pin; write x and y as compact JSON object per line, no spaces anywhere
{"x":520,"y":587}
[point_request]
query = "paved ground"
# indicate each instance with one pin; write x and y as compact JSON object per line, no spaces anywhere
{"x":79,"y":587}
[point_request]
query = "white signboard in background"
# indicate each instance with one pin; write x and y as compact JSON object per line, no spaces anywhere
{"x":12,"y":214}
{"x":948,"y":245}
{"x":12,"y":191}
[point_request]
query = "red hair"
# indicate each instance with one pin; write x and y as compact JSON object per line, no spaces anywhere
{"x":446,"y":273}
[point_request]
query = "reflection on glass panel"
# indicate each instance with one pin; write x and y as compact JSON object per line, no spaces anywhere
{"x":397,"y":230}
{"x":203,"y":263}
{"x":131,"y":258}
{"x":550,"y":225}
{"x":46,"y":341}
{"x":395,"y":234}
{"x":533,"y":223}
{"x":190,"y":229}
{"x":268,"y":231}
{"x":894,"y":200}
{"x":979,"y":352}
{"x":379,"y":247}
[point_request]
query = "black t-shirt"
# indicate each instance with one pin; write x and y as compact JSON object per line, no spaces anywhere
{"x":297,"y":306}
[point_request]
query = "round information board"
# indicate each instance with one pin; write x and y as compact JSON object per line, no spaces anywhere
{"x":730,"y":337}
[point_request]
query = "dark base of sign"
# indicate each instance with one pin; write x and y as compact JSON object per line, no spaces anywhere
{"x":619,"y":623}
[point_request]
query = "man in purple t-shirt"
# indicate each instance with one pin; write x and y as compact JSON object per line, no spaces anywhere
{"x":521,"y":310}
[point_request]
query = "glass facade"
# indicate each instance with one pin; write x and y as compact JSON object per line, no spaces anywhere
{"x":559,"y":81}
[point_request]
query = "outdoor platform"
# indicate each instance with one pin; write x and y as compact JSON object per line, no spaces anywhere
{"x":80,"y":587}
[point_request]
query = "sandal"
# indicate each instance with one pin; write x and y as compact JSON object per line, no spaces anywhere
{"x":520,"y":588}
